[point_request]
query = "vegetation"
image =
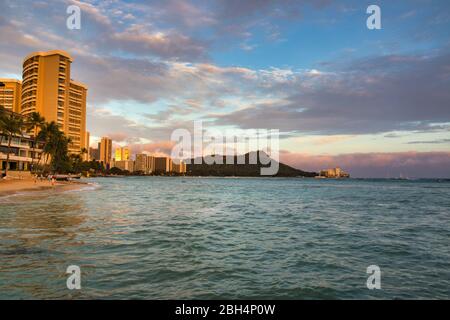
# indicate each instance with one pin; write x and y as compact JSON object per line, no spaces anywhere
{"x":34,"y":123}
{"x":11,"y":125}
{"x":48,"y":137}
{"x":55,"y":148}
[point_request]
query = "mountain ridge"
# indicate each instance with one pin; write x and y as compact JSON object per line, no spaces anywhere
{"x":241,"y":170}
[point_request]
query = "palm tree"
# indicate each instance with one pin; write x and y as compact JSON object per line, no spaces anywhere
{"x":34,"y":123}
{"x":55,"y":146}
{"x":11,"y":125}
{"x":48,"y":130}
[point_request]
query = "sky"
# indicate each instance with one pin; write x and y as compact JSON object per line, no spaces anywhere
{"x":374,"y":102}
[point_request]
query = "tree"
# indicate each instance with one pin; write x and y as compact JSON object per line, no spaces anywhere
{"x":48,"y":130}
{"x":34,"y":123}
{"x":56,"y":146}
{"x":11,"y":125}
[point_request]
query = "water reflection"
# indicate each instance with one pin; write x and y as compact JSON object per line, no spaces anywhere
{"x":39,"y":235}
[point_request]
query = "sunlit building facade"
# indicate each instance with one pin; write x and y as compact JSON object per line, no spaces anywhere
{"x":22,"y":152}
{"x":145,"y":163}
{"x":179,"y":167}
{"x":122,"y":154}
{"x":48,"y":89}
{"x":105,"y":151}
{"x":10,"y":94}
{"x":126,"y":165}
{"x":163,"y":165}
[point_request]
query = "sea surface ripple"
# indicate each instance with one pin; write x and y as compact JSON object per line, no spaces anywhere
{"x":218,"y":238}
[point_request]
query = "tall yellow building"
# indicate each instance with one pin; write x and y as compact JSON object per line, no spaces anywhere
{"x":122,"y":154}
{"x":105,"y":151}
{"x":10,"y":94}
{"x":48,"y":89}
{"x":76,"y":125}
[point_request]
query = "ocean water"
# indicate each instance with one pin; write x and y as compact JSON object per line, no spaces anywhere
{"x":228,"y":238}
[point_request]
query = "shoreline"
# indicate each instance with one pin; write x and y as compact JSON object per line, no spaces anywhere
{"x":15,"y":186}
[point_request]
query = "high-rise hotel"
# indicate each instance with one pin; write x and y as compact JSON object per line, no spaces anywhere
{"x":48,"y":89}
{"x":10,"y":94}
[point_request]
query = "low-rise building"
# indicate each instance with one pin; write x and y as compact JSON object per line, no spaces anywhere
{"x":334,"y":173}
{"x":22,"y":152}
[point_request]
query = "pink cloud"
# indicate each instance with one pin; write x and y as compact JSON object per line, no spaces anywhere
{"x":162,"y":148}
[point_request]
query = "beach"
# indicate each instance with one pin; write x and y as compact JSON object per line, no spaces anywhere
{"x":13,"y":186}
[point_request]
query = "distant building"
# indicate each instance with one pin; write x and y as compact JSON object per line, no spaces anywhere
{"x":86,"y":156}
{"x":10,"y":94}
{"x":334,"y":173}
{"x":122,"y":154}
{"x":144,"y":163}
{"x":141,"y":163}
{"x":94,"y":154}
{"x":105,"y":151}
{"x":163,"y":165}
{"x":127,"y":165}
{"x":179,"y":168}
{"x":150,"y":164}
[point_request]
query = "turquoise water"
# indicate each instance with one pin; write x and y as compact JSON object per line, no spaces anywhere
{"x":205,"y":238}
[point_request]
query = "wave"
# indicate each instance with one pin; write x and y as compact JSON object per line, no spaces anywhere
{"x":90,"y":186}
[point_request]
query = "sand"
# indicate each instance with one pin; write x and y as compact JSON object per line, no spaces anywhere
{"x":12,"y":186}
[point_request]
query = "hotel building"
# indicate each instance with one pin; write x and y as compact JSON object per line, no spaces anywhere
{"x":144,"y":163}
{"x":179,"y":167}
{"x":127,"y":165}
{"x":48,"y":89}
{"x":163,"y":165}
{"x":88,"y":138}
{"x":150,"y":164}
{"x":122,"y":154}
{"x":105,"y":151}
{"x":334,"y":173}
{"x":22,"y":152}
{"x":10,"y":94}
{"x":94,"y":154}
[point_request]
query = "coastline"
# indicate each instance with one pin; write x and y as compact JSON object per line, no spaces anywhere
{"x":14,"y":186}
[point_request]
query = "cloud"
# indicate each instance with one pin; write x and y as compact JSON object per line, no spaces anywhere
{"x":376,"y":165}
{"x":373,"y":95}
{"x":439,"y":141}
{"x":166,"y":45}
{"x":161,"y":148}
